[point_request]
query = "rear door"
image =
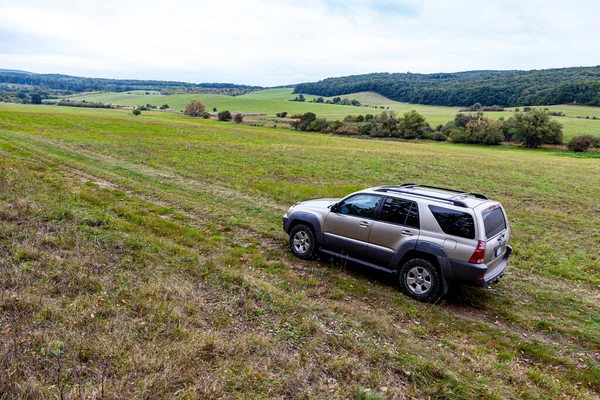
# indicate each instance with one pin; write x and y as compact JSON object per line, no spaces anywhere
{"x":496,"y":231}
{"x":348,"y":225}
{"x":397,"y":224}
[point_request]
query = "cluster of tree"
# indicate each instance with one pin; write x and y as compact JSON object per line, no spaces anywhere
{"x":282,"y":114}
{"x":66,"y":84}
{"x":479,"y":107}
{"x":531,"y":129}
{"x":23,"y":95}
{"x":580,"y":85}
{"x":83,"y":103}
{"x":235,"y":90}
{"x":338,"y":100}
{"x":411,"y":126}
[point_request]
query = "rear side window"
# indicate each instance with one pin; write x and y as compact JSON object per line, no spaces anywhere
{"x":494,"y":222}
{"x":455,"y":223}
{"x":398,"y":211}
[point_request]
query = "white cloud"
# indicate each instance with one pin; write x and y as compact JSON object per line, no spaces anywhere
{"x":280,"y":42}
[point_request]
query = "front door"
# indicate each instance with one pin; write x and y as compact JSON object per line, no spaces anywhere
{"x":348,"y":225}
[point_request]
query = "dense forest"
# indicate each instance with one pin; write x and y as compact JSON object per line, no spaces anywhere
{"x":66,"y":84}
{"x":580,"y":85}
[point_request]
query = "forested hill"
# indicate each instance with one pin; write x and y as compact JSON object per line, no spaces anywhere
{"x":579,"y":85}
{"x":75,"y":84}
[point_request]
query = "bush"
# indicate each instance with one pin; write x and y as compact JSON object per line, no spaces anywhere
{"x":296,"y":116}
{"x":195,"y":108}
{"x":307,"y":118}
{"x":164,"y":106}
{"x":281,"y":114}
{"x":136,"y":112}
{"x":485,"y":131}
{"x":439,"y":137}
{"x":206,"y":115}
{"x":347,"y":129}
{"x":319,"y":125}
{"x":224,"y":116}
{"x":459,"y":136}
{"x":595,"y":141}
{"x":580,"y":144}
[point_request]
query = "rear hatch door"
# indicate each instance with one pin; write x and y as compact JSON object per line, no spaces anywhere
{"x":496,"y":232}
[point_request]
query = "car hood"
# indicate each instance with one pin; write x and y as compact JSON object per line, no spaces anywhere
{"x":314,"y":204}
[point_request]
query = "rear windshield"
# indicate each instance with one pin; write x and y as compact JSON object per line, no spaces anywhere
{"x":455,"y":223}
{"x":494,"y":222}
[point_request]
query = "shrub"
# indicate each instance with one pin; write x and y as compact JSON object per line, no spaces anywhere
{"x":595,"y":141}
{"x":136,"y":112}
{"x":164,"y":106}
{"x":281,"y":114}
{"x":296,"y":116}
{"x":347,"y":129}
{"x":318,"y":125}
{"x":485,"y":131}
{"x":459,"y":136}
{"x":206,"y":115}
{"x":238,"y":118}
{"x":439,"y":137}
{"x":581,"y":143}
{"x":224,"y":116}
{"x":307,"y":118}
{"x":195,"y":108}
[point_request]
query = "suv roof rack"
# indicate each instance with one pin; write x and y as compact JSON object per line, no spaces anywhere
{"x":459,"y":192}
{"x":452,"y":199}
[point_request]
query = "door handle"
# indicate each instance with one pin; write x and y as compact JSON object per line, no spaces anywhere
{"x":407,"y":233}
{"x":363,"y":224}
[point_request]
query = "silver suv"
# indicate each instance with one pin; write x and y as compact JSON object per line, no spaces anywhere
{"x":429,"y":236}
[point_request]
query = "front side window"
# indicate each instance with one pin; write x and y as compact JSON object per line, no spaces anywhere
{"x":398,"y":211}
{"x":455,"y":223}
{"x":360,"y":205}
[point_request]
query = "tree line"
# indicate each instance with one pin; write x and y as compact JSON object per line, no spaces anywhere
{"x":66,"y":84}
{"x":577,"y":85}
{"x":532,"y":129}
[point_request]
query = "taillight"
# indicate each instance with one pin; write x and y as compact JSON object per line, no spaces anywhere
{"x":479,"y":254}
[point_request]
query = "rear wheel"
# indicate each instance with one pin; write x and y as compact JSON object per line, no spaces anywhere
{"x":419,"y":279}
{"x":302,"y":242}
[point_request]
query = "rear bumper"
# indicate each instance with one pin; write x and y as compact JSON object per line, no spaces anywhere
{"x":469,"y":274}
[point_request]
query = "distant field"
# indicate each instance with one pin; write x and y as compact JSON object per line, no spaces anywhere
{"x":273,"y":101}
{"x":143,"y":257}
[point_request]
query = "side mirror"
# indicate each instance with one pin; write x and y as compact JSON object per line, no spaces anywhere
{"x":334,"y":207}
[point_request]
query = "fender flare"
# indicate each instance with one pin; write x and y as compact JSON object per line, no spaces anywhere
{"x":301,"y":216}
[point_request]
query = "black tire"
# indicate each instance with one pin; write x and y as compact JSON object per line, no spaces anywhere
{"x":419,"y":279}
{"x":303,"y":243}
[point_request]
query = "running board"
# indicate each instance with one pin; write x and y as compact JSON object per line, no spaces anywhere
{"x":357,"y":260}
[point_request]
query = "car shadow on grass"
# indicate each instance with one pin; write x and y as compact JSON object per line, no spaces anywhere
{"x":457,"y":297}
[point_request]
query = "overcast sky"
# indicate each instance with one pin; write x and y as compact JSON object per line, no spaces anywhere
{"x":276,"y":42}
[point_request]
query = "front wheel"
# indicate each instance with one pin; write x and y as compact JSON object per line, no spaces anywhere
{"x":302,"y":242}
{"x":420,"y":280}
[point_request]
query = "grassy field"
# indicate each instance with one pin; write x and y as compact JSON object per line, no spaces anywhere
{"x":273,"y":101}
{"x":144,"y":258}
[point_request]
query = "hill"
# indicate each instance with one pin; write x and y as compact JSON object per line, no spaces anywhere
{"x":579,"y":85}
{"x":76,"y":84}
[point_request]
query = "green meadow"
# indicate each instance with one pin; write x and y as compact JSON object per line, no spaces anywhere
{"x":143,"y":257}
{"x":272,"y":101}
